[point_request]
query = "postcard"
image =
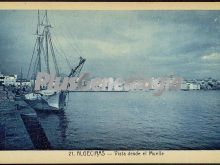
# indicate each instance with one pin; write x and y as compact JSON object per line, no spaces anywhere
{"x":109,"y":82}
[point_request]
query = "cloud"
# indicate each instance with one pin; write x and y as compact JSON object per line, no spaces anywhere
{"x":211,"y":57}
{"x":107,"y":47}
{"x":119,"y":43}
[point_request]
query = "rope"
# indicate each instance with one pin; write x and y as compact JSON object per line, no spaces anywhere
{"x":32,"y":58}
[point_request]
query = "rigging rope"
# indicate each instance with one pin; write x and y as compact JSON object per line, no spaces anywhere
{"x":56,"y":44}
{"x":32,"y":58}
{"x":76,"y":49}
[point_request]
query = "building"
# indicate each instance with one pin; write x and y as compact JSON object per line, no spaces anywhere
{"x":2,"y":77}
{"x":10,"y":80}
{"x":23,"y":83}
{"x":13,"y":80}
{"x":194,"y":86}
{"x":190,"y":86}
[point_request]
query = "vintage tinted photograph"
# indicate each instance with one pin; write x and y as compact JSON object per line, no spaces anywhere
{"x":109,"y":80}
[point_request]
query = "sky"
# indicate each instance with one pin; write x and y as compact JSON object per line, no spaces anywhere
{"x":118,"y":43}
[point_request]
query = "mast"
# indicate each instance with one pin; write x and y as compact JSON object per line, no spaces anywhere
{"x":44,"y":47}
{"x":49,"y":46}
{"x":21,"y":81}
{"x":46,"y":41}
{"x":38,"y":44}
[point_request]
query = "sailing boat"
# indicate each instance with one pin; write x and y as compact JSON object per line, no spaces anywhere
{"x":45,"y":99}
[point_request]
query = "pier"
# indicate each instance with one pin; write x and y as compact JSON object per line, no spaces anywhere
{"x":20,"y":128}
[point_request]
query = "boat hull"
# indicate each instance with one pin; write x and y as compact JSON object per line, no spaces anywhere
{"x":52,"y":102}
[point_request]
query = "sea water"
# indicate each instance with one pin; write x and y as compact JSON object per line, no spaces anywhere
{"x":175,"y":120}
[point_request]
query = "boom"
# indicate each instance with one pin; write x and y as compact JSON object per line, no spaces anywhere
{"x":76,"y":71}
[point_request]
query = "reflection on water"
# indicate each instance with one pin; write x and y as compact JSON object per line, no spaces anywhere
{"x":136,"y":120}
{"x":55,"y":126}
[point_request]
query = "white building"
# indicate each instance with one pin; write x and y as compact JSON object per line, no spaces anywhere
{"x":194,"y":86}
{"x":2,"y":77}
{"x":24,"y":83}
{"x":190,"y":86}
{"x":10,"y":80}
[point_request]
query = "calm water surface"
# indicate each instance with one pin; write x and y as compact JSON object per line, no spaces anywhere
{"x":136,"y":120}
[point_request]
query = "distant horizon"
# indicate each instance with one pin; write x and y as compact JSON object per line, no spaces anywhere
{"x":92,"y":77}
